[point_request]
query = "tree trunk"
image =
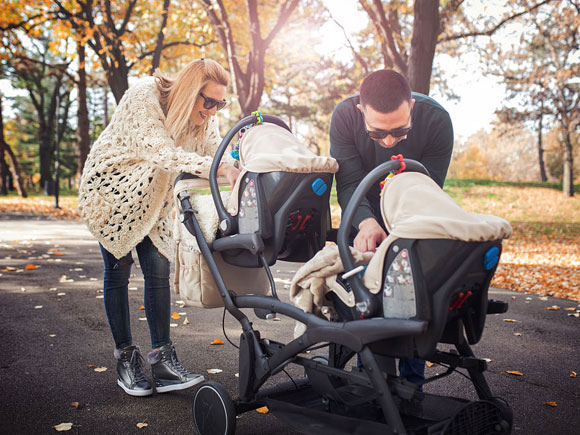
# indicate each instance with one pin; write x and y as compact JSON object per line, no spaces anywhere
{"x":251,"y":84}
{"x":423,"y":42}
{"x":567,"y":161}
{"x":4,"y":172}
{"x":83,"y":136}
{"x":105,"y":106}
{"x":543,"y":176}
{"x":45,"y":154}
{"x":6,"y":151}
{"x":160,"y":37}
{"x":118,"y":81}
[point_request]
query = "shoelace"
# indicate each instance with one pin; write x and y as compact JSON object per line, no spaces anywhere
{"x":177,"y":364}
{"x":138,"y":362}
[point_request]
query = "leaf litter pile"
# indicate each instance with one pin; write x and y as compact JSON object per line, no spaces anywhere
{"x":541,"y":257}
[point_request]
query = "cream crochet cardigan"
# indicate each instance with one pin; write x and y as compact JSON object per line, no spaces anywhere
{"x":125,"y":192}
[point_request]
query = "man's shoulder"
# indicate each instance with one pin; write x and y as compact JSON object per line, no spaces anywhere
{"x":427,"y":102}
{"x":348,"y":104}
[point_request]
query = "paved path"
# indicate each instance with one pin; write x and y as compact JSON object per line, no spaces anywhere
{"x":55,"y":333}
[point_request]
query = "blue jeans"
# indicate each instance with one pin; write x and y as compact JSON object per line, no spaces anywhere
{"x":155,"y":268}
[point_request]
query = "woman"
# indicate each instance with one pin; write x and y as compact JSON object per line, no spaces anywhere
{"x":161,"y":127}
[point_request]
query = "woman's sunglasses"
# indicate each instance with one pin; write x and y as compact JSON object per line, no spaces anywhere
{"x":396,"y":133}
{"x":210,"y":103}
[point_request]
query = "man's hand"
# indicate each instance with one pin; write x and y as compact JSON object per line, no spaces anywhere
{"x":370,"y":234}
{"x":230,"y":172}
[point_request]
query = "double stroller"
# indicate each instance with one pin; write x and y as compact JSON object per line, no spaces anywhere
{"x":426,"y":285}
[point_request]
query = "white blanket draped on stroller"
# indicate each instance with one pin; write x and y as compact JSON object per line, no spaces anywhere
{"x":412,"y":206}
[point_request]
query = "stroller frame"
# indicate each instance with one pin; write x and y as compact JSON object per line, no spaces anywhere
{"x":369,"y":399}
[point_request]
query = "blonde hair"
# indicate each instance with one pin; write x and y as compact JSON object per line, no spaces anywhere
{"x":178,"y":95}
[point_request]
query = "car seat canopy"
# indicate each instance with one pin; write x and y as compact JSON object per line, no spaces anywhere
{"x":271,"y":148}
{"x":414,"y":206}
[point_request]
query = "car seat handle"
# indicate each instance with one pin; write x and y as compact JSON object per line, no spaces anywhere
{"x":227,"y":221}
{"x":366,"y":305}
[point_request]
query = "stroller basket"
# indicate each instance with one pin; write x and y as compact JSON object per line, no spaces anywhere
{"x":416,"y":292}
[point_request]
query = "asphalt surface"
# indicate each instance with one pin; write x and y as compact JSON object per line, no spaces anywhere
{"x":55,"y":334}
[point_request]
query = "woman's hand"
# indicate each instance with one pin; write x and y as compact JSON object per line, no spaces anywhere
{"x":230,"y":172}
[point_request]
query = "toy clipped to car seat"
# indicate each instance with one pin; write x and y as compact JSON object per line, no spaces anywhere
{"x":235,"y":152}
{"x":394,"y":172}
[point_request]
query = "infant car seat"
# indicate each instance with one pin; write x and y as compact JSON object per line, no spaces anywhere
{"x":281,"y":197}
{"x":436,"y":265}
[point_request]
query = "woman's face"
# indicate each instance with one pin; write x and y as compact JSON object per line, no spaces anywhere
{"x":213,"y":90}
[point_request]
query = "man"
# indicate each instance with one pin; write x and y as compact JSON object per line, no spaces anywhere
{"x":385,"y":120}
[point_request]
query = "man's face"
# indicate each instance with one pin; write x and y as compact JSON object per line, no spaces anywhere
{"x":395,"y":121}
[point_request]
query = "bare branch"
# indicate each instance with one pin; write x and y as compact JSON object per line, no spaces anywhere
{"x":495,"y":28}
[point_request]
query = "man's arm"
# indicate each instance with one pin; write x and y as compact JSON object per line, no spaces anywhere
{"x":439,"y":149}
{"x":351,"y":170}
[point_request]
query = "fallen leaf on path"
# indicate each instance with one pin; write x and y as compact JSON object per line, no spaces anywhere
{"x":38,"y":307}
{"x":75,"y":404}
{"x":569,"y":309}
{"x":52,"y":335}
{"x":263,"y":410}
{"x":217,"y":341}
{"x":91,"y":366}
{"x":514,"y":372}
{"x":63,"y":427}
{"x":517,"y":334}
{"x":553,"y":308}
{"x":214,"y":371}
{"x":574,"y":315}
{"x":173,"y":325}
{"x":510,"y":320}
{"x":175,"y":316}
{"x":429,"y":364}
{"x":100,"y":369}
{"x":553,"y":404}
{"x":573,"y":374}
{"x":186,"y":322}
{"x":142,"y":425}
{"x":30,"y":267}
{"x":142,"y":307}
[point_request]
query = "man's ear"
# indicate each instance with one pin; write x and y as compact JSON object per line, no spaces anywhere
{"x":359,"y":107}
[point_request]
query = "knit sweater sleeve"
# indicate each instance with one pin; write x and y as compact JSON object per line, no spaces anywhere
{"x":144,"y":123}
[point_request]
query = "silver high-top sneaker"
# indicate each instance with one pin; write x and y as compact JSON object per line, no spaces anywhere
{"x":168,"y":373}
{"x":130,"y":375}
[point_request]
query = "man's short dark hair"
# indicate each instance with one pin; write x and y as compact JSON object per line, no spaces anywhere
{"x":385,"y":90}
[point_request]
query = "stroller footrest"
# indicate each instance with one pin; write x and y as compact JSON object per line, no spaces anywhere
{"x":464,"y":362}
{"x":250,"y":242}
{"x":496,"y":307}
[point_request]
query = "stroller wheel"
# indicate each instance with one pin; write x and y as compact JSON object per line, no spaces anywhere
{"x":214,"y":412}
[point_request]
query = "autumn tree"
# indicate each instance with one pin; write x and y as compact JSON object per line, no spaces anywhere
{"x":6,"y":153}
{"x":408,"y":33}
{"x":248,"y":39}
{"x":541,"y":72}
{"x":126,"y":35}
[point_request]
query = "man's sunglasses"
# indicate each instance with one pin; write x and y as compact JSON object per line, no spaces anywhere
{"x":210,"y":103}
{"x":396,"y":133}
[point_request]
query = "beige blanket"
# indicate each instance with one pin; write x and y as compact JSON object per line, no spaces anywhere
{"x":317,"y":277}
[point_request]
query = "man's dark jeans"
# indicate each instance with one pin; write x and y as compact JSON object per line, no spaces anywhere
{"x":155,"y":268}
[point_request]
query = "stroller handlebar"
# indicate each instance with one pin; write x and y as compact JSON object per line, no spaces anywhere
{"x":227,"y":221}
{"x":366,"y":305}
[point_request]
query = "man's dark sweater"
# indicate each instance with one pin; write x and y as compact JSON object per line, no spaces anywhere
{"x":430,"y":142}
